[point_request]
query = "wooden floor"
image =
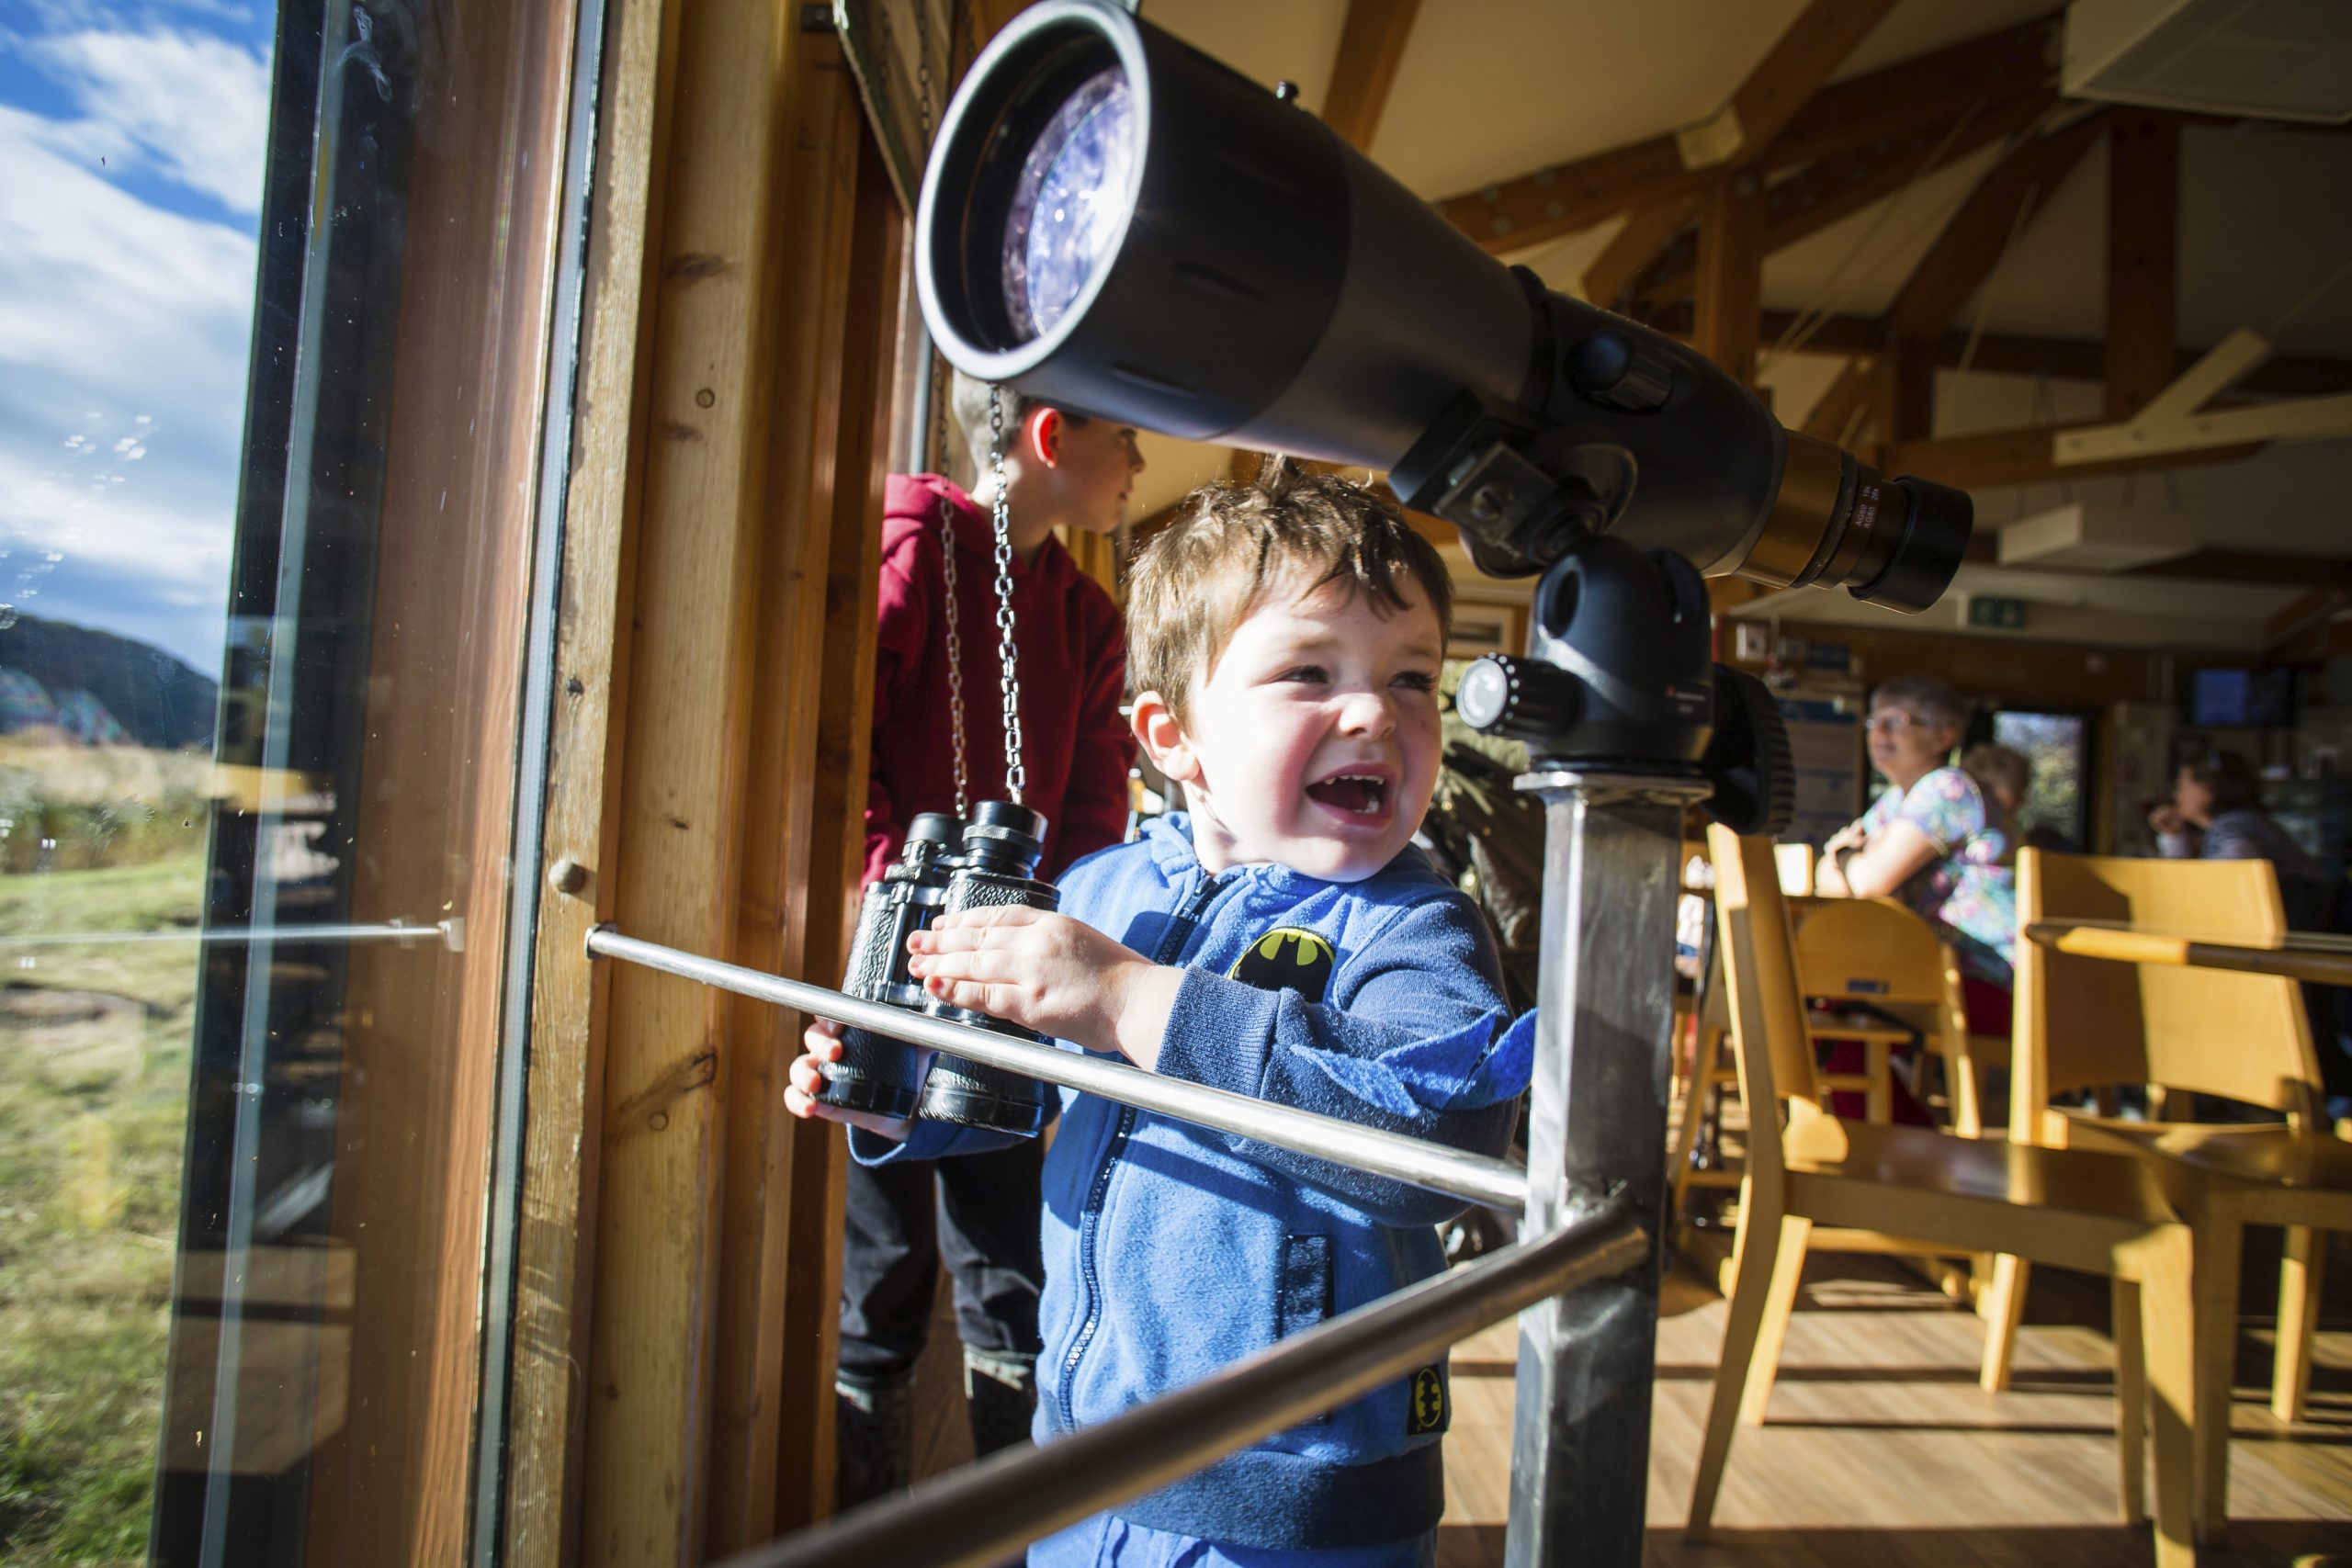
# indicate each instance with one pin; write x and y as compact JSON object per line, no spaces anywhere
{"x":1880,"y":1448}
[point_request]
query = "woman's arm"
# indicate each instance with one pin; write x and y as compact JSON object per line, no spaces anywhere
{"x":1894,"y":854}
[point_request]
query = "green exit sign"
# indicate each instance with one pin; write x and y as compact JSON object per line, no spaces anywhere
{"x":2008,"y":615}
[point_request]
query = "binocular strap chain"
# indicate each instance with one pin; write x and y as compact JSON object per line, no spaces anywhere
{"x":1015,"y":774}
{"x":954,"y":657}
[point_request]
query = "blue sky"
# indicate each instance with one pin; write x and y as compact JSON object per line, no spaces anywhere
{"x":132,"y":135}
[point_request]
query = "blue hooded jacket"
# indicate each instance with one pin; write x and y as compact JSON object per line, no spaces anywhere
{"x":1172,"y":1250}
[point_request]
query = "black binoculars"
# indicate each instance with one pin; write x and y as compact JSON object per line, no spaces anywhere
{"x":946,"y":866}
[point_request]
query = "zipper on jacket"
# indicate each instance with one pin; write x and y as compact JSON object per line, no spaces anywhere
{"x":1089,"y":1218}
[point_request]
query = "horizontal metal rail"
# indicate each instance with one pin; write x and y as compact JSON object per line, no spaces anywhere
{"x":1494,"y":1183}
{"x":449,"y":933}
{"x":986,"y":1512}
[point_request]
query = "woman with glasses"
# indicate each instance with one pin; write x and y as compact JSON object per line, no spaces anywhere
{"x":1936,"y":841}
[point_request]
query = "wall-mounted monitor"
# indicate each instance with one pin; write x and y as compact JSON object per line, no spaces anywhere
{"x":2242,"y":698}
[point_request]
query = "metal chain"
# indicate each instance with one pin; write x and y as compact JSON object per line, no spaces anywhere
{"x":951,"y":612}
{"x":1016,"y":775}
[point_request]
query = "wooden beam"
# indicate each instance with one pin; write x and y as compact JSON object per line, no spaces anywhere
{"x":1838,"y":186}
{"x":1635,"y":249}
{"x":1833,"y":418}
{"x":2004,"y":458}
{"x":1372,"y":45}
{"x":2004,"y":201}
{"x":2143,"y":257}
{"x":551,"y":1401}
{"x":1906,"y":391}
{"x":1899,"y":100}
{"x":2237,"y":568}
{"x":1823,"y":33}
{"x":1895,"y":102}
{"x":1731,"y":273}
{"x":671,"y":1370}
{"x":2017,"y":354}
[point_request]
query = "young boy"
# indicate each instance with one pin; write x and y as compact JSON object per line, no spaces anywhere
{"x":1282,"y":940}
{"x":1060,"y":469}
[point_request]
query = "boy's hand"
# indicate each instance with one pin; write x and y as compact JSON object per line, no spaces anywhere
{"x":1051,"y":974}
{"x":822,"y":1039}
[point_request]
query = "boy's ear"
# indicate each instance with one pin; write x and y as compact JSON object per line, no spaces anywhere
{"x":1044,"y":430}
{"x":1162,"y":738}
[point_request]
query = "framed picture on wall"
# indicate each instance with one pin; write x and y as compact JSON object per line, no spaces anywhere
{"x":1486,"y":628}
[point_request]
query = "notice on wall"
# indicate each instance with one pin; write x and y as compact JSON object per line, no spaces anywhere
{"x":1826,"y":740}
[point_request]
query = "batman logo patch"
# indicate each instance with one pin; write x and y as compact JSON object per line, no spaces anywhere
{"x":1286,"y":959}
{"x":1426,"y":1411}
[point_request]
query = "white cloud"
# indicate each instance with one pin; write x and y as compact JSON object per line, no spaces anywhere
{"x":119,"y":321}
{"x":197,"y":107}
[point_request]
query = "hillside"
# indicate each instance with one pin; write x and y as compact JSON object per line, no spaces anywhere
{"x":156,"y":699}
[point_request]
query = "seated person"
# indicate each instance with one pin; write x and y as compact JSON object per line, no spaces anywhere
{"x":1282,"y":938}
{"x":2216,"y":813}
{"x":1935,"y":842}
{"x":2006,"y":775}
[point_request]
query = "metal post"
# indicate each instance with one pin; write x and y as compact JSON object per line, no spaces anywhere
{"x":1580,"y":1452}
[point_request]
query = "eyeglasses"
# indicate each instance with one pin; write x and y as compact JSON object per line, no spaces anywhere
{"x":1895,"y":721}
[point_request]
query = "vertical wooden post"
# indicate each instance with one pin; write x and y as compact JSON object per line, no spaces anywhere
{"x":670,"y":1062}
{"x":2143,"y":257}
{"x":1731,"y":272}
{"x":1907,"y":396}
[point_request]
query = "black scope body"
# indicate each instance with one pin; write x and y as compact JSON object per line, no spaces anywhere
{"x":946,"y":865}
{"x":1121,"y":225}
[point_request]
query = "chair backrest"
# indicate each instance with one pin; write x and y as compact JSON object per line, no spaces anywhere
{"x":2089,"y":1022}
{"x":1877,"y":951}
{"x":1760,"y":977}
{"x":1795,"y":863}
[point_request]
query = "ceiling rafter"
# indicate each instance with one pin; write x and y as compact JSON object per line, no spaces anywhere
{"x":2019,"y":354}
{"x":1634,"y":249}
{"x":1833,"y":418}
{"x":2011,"y":194}
{"x":1842,"y":184}
{"x":1892,"y":102}
{"x":1372,"y":45}
{"x":2143,"y":257}
{"x":1782,"y":83}
{"x":2024,"y":456}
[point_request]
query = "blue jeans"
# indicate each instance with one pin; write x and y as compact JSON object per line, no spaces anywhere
{"x":1108,"y":1541}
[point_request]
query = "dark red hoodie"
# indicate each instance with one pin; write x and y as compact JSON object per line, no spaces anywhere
{"x":1071,"y":660}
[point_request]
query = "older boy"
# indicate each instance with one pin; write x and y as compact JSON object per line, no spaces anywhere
{"x":1284,"y":940}
{"x":1061,"y":470}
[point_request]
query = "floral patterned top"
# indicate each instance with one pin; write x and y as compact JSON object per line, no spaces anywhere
{"x":1972,"y":892}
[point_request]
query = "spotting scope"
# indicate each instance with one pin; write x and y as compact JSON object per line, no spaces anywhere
{"x":1119,"y":224}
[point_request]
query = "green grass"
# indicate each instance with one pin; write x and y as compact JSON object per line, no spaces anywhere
{"x":90,"y":1148}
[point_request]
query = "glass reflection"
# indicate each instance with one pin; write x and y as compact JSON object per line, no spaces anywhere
{"x":273,"y":344}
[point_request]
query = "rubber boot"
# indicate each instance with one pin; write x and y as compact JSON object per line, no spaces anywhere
{"x":874,"y":1436}
{"x":999,"y":1395}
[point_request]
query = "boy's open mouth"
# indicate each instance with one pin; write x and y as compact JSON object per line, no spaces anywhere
{"x":1363,"y":794}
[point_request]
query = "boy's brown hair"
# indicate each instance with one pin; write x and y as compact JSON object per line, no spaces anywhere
{"x":1199,"y":576}
{"x":969,"y":399}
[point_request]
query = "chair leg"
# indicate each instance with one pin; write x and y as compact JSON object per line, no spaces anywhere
{"x":2299,"y":1277}
{"x":1779,"y":1302}
{"x":2003,"y":1308}
{"x":2218,"y":1249}
{"x":2131,"y":1405}
{"x":1694,"y":1112}
{"x":2168,"y":1338}
{"x":1878,"y":1099}
{"x":1756,"y":1255}
{"x":1967,"y":1096}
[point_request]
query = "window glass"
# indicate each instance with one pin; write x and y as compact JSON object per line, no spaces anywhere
{"x":274,"y":328}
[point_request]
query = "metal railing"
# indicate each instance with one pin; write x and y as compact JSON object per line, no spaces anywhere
{"x":984,"y":1513}
{"x":1495,"y":1184}
{"x":1583,"y":1280}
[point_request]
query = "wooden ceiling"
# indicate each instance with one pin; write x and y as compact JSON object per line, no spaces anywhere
{"x":1885,"y":214}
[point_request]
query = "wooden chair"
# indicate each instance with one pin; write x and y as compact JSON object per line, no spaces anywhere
{"x":1879,"y":951}
{"x":1911,"y":1187}
{"x":1795,"y":864}
{"x":2085,"y":1023}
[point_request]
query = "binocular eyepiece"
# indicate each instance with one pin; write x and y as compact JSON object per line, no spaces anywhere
{"x":946,"y":866}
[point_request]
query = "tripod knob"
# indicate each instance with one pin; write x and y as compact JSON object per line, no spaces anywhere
{"x":1526,"y":699}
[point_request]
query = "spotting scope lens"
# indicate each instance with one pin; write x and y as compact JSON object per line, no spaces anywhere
{"x":1070,"y":203}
